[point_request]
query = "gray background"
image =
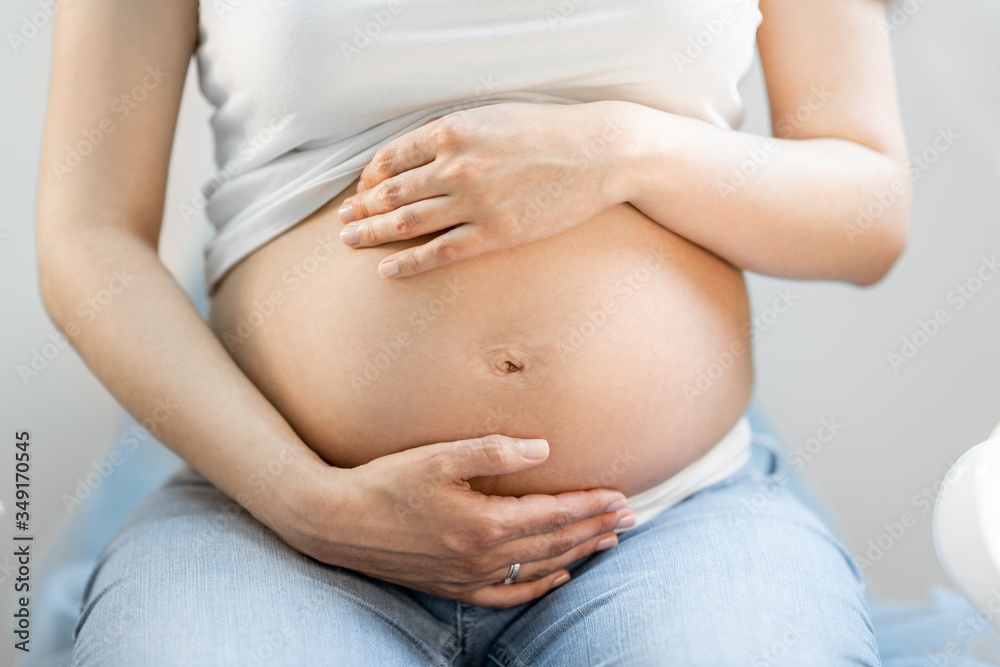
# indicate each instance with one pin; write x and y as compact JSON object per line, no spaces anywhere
{"x":824,"y":358}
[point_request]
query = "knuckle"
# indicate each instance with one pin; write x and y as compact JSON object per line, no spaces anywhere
{"x":560,"y":543}
{"x":447,"y":250}
{"x":372,"y":232}
{"x":418,"y":260}
{"x":459,"y":172}
{"x":508,"y":223}
{"x":454,"y":544}
{"x":479,"y":568}
{"x":361,"y":208}
{"x":487,"y":535}
{"x":560,"y":518}
{"x":496,"y":451}
{"x":388,"y":194}
{"x":441,"y":467}
{"x":384,"y":160}
{"x":451,"y":130}
{"x":404,"y":223}
{"x":609,"y":521}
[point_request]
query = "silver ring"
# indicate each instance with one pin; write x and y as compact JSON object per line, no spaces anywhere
{"x":512,"y":574}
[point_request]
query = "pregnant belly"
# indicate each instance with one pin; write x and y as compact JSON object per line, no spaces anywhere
{"x":599,"y":340}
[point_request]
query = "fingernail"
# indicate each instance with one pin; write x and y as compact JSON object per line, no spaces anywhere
{"x":346,"y":212}
{"x":627,"y":521}
{"x":560,"y":580}
{"x":361,"y":187}
{"x":617,"y":505}
{"x":534,"y":448}
{"x":607,"y":543}
{"x":349,"y":235}
{"x":388,"y":269}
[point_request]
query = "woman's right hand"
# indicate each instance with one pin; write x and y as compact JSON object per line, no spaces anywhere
{"x":412,"y":519}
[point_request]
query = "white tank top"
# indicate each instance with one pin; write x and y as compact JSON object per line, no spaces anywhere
{"x":306,"y":91}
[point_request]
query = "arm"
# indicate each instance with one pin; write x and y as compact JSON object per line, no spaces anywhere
{"x":100,"y":218}
{"x":830,"y":197}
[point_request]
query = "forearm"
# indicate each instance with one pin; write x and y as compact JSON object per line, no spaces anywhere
{"x":822,"y":208}
{"x":155,"y":354}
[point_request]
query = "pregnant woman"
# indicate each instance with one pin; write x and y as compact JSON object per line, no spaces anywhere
{"x":472,"y":385}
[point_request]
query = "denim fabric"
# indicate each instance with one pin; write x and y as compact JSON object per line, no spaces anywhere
{"x":741,"y":573}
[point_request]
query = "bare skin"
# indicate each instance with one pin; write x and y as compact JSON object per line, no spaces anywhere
{"x":150,"y":344}
{"x":587,"y":338}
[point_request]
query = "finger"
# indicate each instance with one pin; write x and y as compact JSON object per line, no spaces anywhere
{"x":478,"y":457}
{"x":547,"y":546}
{"x":538,"y":515}
{"x":542,"y":568}
{"x":391,"y":194}
{"x":408,"y":222}
{"x":504,"y":596}
{"x":461,"y":242}
{"x":413,"y":149}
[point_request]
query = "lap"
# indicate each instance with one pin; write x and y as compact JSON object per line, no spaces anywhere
{"x":193,"y":579}
{"x":740,"y":574}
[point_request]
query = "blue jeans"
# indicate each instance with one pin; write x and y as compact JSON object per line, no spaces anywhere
{"x":741,"y":573}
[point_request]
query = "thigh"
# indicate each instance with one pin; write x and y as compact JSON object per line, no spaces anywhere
{"x":739,"y":574}
{"x":193,"y":579}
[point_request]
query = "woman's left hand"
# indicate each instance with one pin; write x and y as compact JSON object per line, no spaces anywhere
{"x":494,"y":176}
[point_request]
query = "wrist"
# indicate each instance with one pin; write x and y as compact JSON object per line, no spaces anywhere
{"x":292,"y":489}
{"x":618,"y":144}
